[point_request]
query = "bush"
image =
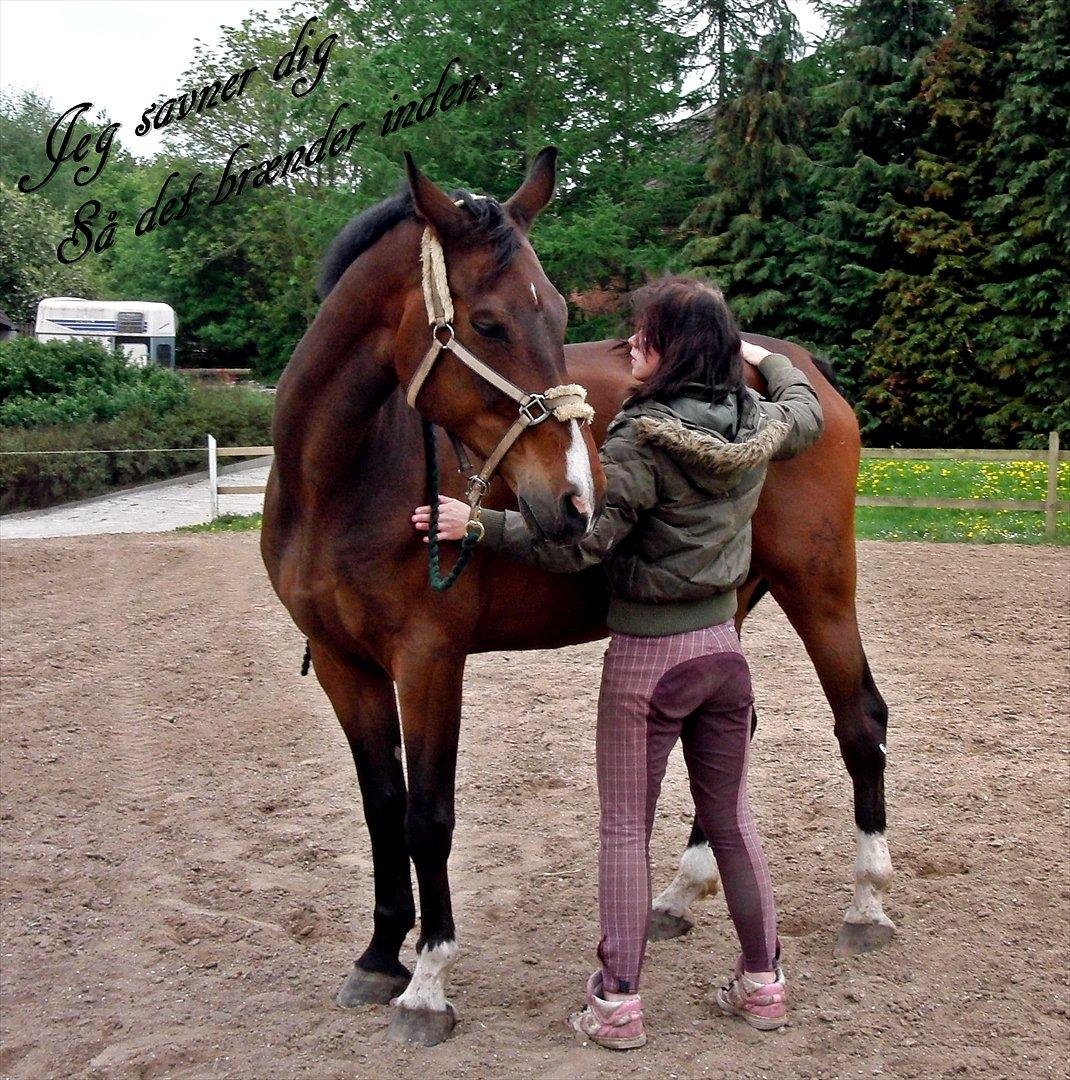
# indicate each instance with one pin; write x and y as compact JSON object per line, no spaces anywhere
{"x":67,"y":382}
{"x":234,"y":415}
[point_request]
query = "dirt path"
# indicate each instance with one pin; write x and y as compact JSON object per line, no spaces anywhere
{"x":160,"y":507}
{"x":186,"y":874}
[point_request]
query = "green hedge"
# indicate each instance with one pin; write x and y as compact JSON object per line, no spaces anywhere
{"x":235,"y":415}
{"x":67,"y":382}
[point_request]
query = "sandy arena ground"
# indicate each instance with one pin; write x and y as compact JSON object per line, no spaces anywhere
{"x":186,"y":873}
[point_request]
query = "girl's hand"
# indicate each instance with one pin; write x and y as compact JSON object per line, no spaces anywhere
{"x":753,"y":354}
{"x":452,"y":518}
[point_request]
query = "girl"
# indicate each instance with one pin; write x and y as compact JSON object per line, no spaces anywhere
{"x":685,"y":460}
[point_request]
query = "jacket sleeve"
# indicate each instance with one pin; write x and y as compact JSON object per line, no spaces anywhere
{"x":792,"y":400}
{"x":631,"y":488}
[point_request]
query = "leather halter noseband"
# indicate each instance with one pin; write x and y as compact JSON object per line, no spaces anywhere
{"x":564,"y":403}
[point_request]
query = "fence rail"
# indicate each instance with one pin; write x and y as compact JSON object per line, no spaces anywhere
{"x":1050,"y":506}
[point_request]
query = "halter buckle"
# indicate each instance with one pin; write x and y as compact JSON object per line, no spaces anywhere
{"x":527,"y":409}
{"x":449,"y":334}
{"x":472,"y":482}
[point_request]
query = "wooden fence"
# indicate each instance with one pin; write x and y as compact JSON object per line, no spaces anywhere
{"x":1050,"y":505}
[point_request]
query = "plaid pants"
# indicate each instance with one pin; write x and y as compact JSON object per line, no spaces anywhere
{"x":696,"y":687}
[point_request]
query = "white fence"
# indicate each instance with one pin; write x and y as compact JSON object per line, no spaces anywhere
{"x":1050,"y":505}
{"x":215,"y":489}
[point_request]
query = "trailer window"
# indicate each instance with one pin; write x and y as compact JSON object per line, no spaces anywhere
{"x":130,"y":322}
{"x":163,"y":354}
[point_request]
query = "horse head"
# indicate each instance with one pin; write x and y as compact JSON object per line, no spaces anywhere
{"x":509,"y":323}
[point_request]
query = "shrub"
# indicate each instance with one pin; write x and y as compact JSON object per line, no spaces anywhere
{"x":234,"y":415}
{"x":66,"y":382}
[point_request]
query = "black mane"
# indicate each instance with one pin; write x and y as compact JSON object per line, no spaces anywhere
{"x":490,"y":225}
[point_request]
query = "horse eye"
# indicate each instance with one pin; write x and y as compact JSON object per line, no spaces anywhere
{"x":490,"y":330}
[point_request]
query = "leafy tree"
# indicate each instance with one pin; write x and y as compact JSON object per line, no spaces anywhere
{"x":29,"y":270}
{"x":26,"y":118}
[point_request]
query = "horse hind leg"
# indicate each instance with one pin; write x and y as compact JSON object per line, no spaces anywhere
{"x":824,"y":618}
{"x":363,"y":698}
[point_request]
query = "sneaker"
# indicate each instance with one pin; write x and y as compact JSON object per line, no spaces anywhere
{"x":616,"y":1025}
{"x":762,"y":1005}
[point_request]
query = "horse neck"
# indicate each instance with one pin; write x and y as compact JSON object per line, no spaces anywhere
{"x":342,"y":372}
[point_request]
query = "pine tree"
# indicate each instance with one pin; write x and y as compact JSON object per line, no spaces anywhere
{"x":747,"y":234}
{"x":868,"y":125}
{"x":1026,"y":216}
{"x":964,"y":352}
{"x":921,"y":355}
{"x":726,"y":30}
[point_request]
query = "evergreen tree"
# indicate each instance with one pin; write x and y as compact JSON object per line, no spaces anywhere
{"x":748,"y":233}
{"x":868,"y":127}
{"x":928,"y":383}
{"x":1026,"y":339}
{"x":969,"y":347}
{"x":725,"y":32}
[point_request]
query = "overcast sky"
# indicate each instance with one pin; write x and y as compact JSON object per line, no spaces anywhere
{"x":122,"y":55}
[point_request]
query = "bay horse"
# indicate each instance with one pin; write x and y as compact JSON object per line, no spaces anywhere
{"x":344,"y":559}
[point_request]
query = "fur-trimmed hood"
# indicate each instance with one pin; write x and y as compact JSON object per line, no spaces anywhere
{"x":693,"y":432}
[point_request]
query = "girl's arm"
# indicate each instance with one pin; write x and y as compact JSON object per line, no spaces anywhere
{"x":791,"y":399}
{"x":631,"y":488}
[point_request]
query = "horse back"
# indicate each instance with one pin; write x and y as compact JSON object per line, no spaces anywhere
{"x":804,"y":524}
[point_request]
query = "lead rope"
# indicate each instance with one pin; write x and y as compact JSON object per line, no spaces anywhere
{"x":471,"y":538}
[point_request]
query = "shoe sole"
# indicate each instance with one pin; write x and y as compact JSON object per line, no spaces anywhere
{"x":759,"y":1023}
{"x":618,"y":1044}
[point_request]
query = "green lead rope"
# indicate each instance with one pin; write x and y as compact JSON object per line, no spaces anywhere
{"x":468,"y":544}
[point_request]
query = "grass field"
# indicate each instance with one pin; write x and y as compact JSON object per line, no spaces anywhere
{"x":949,"y":479}
{"x":946,"y":479}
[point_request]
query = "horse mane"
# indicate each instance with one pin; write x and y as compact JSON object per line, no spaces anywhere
{"x":826,"y":369}
{"x":491,"y":225}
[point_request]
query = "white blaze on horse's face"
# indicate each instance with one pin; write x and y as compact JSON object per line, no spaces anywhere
{"x":534,"y":294}
{"x":578,"y":473}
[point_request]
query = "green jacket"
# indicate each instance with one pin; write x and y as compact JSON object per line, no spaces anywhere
{"x":682,"y":481}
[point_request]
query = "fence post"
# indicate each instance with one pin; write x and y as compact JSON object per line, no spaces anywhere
{"x":1053,"y":485}
{"x":213,"y":481}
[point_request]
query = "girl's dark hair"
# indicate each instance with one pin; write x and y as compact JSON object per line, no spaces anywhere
{"x":691,"y":326}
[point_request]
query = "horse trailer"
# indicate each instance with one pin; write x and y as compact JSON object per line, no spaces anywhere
{"x":145,"y":331}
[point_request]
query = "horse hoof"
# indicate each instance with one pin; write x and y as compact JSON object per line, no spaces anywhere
{"x":421,"y":1027}
{"x":665,"y":925}
{"x":371,"y":987}
{"x":858,"y":938}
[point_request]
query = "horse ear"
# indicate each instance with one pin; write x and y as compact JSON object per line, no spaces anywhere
{"x":433,"y":204}
{"x":536,"y":191}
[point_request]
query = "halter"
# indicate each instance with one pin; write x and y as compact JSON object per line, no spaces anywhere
{"x":564,"y":403}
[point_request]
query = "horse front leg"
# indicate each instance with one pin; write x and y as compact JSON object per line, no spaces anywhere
{"x":363,"y":698}
{"x":429,"y":690}
{"x":696,"y":878}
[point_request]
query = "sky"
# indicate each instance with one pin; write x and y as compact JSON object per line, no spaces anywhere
{"x":123,"y":55}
